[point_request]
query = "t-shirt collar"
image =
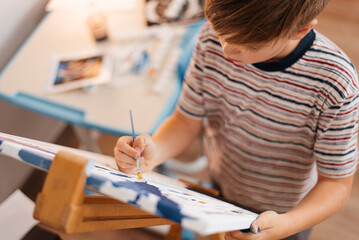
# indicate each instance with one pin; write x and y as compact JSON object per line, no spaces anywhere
{"x":292,"y":58}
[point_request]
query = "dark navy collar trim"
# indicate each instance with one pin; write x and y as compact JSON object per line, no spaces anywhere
{"x":292,"y":58}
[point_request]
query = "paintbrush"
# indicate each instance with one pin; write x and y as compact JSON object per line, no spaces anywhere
{"x":139,"y":172}
{"x":198,"y":188}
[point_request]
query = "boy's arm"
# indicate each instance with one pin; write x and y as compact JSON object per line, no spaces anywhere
{"x":325,"y":199}
{"x":175,"y":135}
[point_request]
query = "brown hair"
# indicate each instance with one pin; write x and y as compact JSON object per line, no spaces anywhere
{"x":260,"y":21}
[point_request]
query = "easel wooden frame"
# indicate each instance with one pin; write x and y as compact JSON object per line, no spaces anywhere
{"x":62,"y":204}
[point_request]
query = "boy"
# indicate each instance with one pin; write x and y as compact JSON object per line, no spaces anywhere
{"x":279,"y":104}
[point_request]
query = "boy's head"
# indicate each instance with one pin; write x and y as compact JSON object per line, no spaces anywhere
{"x":256,"y":23}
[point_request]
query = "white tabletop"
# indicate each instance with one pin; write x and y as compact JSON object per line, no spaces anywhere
{"x":107,"y":107}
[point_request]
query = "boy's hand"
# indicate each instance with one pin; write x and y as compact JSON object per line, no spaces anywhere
{"x":268,"y":226}
{"x":126,"y":152}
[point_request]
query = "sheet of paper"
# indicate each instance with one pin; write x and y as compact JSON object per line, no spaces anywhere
{"x":16,"y":216}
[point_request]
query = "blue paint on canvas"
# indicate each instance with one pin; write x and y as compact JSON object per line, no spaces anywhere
{"x":111,"y":172}
{"x":119,"y":174}
{"x":35,"y":159}
{"x":102,"y":168}
{"x":95,"y":183}
{"x":165,"y":206}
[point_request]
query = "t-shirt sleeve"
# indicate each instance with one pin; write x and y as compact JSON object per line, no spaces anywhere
{"x":191,"y":100}
{"x":336,"y":146}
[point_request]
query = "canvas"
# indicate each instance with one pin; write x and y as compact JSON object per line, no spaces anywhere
{"x":155,"y":193}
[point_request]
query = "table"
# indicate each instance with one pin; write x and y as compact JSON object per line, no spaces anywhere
{"x":106,"y":109}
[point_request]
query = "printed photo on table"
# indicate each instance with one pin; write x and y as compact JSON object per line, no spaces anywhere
{"x":79,"y":71}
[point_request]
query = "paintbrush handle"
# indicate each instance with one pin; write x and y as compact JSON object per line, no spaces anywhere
{"x":198,"y":188}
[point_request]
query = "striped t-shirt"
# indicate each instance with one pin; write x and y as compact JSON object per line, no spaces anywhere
{"x":270,"y":127}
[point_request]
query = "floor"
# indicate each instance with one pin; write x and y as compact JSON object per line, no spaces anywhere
{"x":339,"y":22}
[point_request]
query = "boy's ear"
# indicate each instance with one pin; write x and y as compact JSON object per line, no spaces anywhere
{"x":303,"y":31}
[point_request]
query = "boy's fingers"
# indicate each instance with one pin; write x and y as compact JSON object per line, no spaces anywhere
{"x":122,"y":157}
{"x":127,"y":166}
{"x":264,"y":221}
{"x":130,"y":170}
{"x":125,"y":163}
{"x":125,"y":139}
{"x":124,"y":145}
{"x":127,"y":152}
{"x":141,"y":142}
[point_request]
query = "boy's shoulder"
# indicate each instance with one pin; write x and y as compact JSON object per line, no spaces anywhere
{"x":333,"y":64}
{"x":329,"y":51}
{"x":206,"y":33}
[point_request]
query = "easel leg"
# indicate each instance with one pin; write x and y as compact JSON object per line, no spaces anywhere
{"x":175,"y":233}
{"x":217,"y":236}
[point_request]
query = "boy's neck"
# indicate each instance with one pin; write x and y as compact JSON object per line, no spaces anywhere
{"x":288,"y":49}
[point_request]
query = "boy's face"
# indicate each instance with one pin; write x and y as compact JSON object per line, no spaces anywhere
{"x":249,"y":54}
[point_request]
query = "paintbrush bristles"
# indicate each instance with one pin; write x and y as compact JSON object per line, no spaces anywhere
{"x":139,"y":175}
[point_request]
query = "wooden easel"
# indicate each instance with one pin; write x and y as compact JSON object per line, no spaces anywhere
{"x":63,"y":206}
